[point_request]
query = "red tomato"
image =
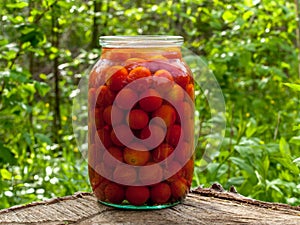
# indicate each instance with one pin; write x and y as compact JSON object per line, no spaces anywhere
{"x":173,"y":171}
{"x":182,"y":80}
{"x":179,"y":188}
{"x":116,"y":77}
{"x":151,"y":100}
{"x":114,"y":193}
{"x":104,"y":96}
{"x":137,"y":157}
{"x":175,"y":95}
{"x":173,"y":134}
{"x":122,"y":132}
{"x":167,"y":113}
{"x":138,"y":119}
{"x":156,"y":137}
{"x":149,"y":176}
{"x":164,"y":73}
{"x":125,"y":175}
{"x":160,"y":193}
{"x":112,"y":152}
{"x":184,"y":152}
{"x":137,"y":73}
{"x":191,"y":92}
{"x":107,"y":115}
{"x":102,"y":137}
{"x":137,"y":195}
{"x":162,"y":152}
{"x":132,"y":63}
{"x":126,"y":97}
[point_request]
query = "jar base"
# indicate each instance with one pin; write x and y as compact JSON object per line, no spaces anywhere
{"x":142,"y":207}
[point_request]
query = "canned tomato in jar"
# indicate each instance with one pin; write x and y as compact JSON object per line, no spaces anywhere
{"x":141,"y":123}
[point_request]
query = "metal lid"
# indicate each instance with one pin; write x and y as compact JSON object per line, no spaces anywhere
{"x":140,"y":41}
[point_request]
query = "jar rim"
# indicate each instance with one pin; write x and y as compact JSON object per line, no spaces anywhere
{"x":140,"y":41}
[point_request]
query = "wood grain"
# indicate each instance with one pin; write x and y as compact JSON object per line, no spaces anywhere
{"x":202,"y":206}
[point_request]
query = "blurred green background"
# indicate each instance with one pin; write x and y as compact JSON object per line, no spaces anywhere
{"x":251,"y":46}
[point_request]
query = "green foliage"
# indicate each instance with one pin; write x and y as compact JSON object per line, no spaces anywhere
{"x":249,"y":46}
{"x":295,"y":87}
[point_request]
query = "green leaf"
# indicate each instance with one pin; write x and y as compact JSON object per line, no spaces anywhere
{"x":43,"y":76}
{"x":3,"y":41}
{"x":259,"y":178}
{"x":42,"y":88}
{"x":6,"y":156}
{"x":284,"y":148}
{"x":295,"y":140}
{"x":297,"y":161}
{"x":19,"y":5}
{"x":274,"y":186}
{"x":247,"y":15}
{"x":27,"y":138}
{"x":9,"y":55}
{"x":228,"y":16}
{"x":297,"y":127}
{"x":30,"y":87}
{"x":13,"y":75}
{"x":295,"y":87}
{"x":237,"y":181}
{"x":243,"y":165}
{"x":5,"y":174}
{"x":266,"y":164}
{"x":248,"y":3}
{"x":31,"y":33}
{"x":251,"y":127}
{"x":43,"y":138}
{"x":287,"y":163}
{"x":54,"y":49}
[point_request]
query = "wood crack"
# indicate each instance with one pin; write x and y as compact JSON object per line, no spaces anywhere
{"x":48,"y":202}
{"x":234,"y":196}
{"x":91,"y":216}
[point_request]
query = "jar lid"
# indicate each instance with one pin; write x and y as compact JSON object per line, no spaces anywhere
{"x":140,"y":41}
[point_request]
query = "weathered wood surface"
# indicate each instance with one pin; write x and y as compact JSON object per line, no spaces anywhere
{"x":202,"y":206}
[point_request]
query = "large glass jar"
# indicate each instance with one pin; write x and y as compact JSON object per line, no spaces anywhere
{"x":141,"y":123}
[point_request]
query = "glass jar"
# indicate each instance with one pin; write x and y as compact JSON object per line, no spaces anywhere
{"x":141,"y":123}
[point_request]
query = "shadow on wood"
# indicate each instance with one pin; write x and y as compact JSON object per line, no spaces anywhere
{"x":202,"y":206}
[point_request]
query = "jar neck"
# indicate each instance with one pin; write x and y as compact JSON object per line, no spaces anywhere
{"x":141,"y":41}
{"x":146,"y":53}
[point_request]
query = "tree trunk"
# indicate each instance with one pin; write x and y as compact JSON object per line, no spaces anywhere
{"x":202,"y":206}
{"x":298,"y":34}
{"x":55,"y":43}
{"x":95,"y":29}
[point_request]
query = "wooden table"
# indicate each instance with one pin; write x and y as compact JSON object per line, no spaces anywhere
{"x":202,"y":206}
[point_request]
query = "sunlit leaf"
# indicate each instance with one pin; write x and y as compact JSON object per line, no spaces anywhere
{"x":247,"y":15}
{"x":297,"y":160}
{"x":251,"y":127}
{"x":228,"y":16}
{"x":5,"y":174}
{"x":42,"y":88}
{"x":295,"y":87}
{"x":295,"y":140}
{"x":266,"y":164}
{"x":284,"y":147}
{"x":19,"y":5}
{"x":30,"y":87}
